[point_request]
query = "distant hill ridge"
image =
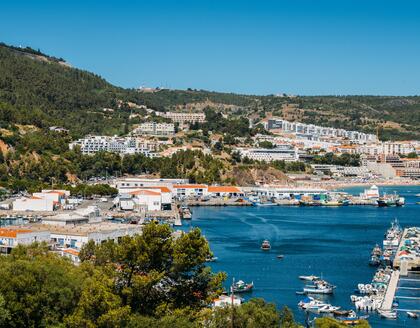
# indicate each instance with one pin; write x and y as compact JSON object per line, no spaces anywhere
{"x":46,"y":92}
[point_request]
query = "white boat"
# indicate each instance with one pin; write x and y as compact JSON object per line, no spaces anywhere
{"x":318,"y":289}
{"x":309,"y":278}
{"x":328,"y":308}
{"x":388,"y":314}
{"x":412,"y":315}
{"x":310,"y":303}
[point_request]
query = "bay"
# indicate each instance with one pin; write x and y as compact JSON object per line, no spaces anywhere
{"x":332,"y":242}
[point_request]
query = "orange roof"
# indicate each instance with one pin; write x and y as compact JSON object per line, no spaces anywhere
{"x":162,"y":189}
{"x":35,"y":197}
{"x":144,"y":193}
{"x":223,"y":189}
{"x":12,"y":233}
{"x":56,"y":192}
{"x":190,"y":186}
{"x":71,"y":251}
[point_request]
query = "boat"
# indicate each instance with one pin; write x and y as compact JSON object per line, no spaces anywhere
{"x":388,"y":314}
{"x":376,"y":250}
{"x":310,"y":303}
{"x":412,"y":315}
{"x":212,"y":259}
{"x":265,"y":246}
{"x":417,"y":195}
{"x":328,"y":308}
{"x":186,"y":213}
{"x":280,"y":256}
{"x":309,"y":278}
{"x":319,"y":287}
{"x":242,"y":287}
{"x":375,"y":260}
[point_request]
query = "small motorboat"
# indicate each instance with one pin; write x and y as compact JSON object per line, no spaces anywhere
{"x":328,"y":308}
{"x":212,"y":259}
{"x":412,"y":315}
{"x":265,"y":246}
{"x":280,"y":256}
{"x":388,"y":314}
{"x":309,"y":278}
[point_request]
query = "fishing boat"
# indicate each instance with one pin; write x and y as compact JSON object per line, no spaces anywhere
{"x":376,"y":250}
{"x":309,"y":278}
{"x":412,"y":315}
{"x":388,"y":314}
{"x":375,"y":260}
{"x":265,"y":246}
{"x":280,"y":256}
{"x":319,"y":287}
{"x":242,"y":287}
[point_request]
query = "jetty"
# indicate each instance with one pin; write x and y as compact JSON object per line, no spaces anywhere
{"x":390,"y":291}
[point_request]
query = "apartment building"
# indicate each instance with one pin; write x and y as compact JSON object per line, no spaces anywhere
{"x":388,"y":148}
{"x":183,"y":118}
{"x":155,"y":129}
{"x":314,"y":132}
{"x":286,"y":153}
{"x":121,"y":145}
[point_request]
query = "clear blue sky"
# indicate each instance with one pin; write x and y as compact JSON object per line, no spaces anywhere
{"x":257,"y":47}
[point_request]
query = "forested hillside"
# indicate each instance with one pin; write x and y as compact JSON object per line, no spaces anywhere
{"x":43,"y":91}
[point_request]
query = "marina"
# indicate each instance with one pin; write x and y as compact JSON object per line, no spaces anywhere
{"x":331,"y":242}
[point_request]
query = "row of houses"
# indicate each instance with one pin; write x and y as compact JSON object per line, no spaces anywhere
{"x":313,"y":132}
{"x":121,"y":145}
{"x":72,"y":234}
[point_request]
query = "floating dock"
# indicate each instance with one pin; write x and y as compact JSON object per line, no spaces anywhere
{"x":390,"y":291}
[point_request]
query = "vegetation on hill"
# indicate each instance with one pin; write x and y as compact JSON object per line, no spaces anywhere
{"x":149,"y":280}
{"x":46,"y":93}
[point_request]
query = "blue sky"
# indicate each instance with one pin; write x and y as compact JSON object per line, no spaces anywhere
{"x":255,"y":47}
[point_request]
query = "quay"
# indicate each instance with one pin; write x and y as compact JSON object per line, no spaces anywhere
{"x":390,"y":291}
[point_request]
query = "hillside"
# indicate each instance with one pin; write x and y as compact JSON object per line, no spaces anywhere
{"x":42,"y":90}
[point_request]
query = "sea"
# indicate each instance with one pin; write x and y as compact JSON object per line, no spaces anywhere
{"x":330,"y":242}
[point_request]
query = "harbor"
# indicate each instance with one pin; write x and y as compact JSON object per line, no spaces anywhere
{"x":332,"y":242}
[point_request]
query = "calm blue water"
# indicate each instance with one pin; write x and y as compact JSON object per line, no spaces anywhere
{"x":332,"y":242}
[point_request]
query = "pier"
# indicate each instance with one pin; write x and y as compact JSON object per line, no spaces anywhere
{"x":390,"y":291}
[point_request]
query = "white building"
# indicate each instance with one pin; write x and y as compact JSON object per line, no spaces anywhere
{"x":184,"y":117}
{"x":77,"y":236}
{"x":189,"y":190}
{"x":281,"y":153}
{"x":33,"y":204}
{"x":126,"y":185}
{"x":12,"y":237}
{"x":314,"y":132}
{"x":147,"y":199}
{"x":120,"y":145}
{"x":155,"y":129}
{"x":226,"y":300}
{"x":224,"y":191}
